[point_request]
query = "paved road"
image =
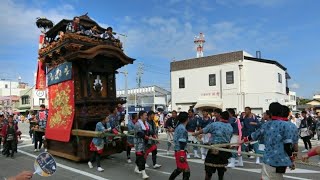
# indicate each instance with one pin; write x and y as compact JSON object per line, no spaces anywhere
{"x":116,"y":167}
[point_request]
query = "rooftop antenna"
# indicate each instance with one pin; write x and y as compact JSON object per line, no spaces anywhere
{"x":258,"y":54}
{"x":199,"y":42}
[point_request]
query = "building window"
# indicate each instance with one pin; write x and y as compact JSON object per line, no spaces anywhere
{"x":181,"y":83}
{"x":279,"y":78}
{"x":6,"y":86}
{"x":229,"y":77}
{"x":41,"y":101}
{"x":212,"y":79}
{"x":25,"y":100}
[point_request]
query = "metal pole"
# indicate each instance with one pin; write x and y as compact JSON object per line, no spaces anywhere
{"x":154,"y":98}
{"x":135,"y":99}
{"x":10,"y":105}
{"x":127,"y":96}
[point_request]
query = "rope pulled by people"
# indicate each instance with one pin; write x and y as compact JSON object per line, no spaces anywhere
{"x":220,"y":147}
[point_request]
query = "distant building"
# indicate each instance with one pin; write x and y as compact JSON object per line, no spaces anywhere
{"x":19,"y":97}
{"x":10,"y":93}
{"x":146,"y":98}
{"x":38,"y":97}
{"x":229,"y":80}
{"x":291,"y":100}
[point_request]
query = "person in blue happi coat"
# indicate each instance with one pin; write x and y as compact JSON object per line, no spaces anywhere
{"x":221,"y":133}
{"x":277,"y":135}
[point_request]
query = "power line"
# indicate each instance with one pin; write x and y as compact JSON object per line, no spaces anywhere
{"x":157,"y":72}
{"x":157,"y":67}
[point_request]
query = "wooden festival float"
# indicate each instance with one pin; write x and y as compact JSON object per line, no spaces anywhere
{"x":81,"y":89}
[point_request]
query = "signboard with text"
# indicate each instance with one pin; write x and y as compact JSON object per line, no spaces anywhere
{"x":213,"y":93}
{"x":137,"y":109}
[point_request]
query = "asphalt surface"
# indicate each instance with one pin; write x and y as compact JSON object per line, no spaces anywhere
{"x":117,"y":168}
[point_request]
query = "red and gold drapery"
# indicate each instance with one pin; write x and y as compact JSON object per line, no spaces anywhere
{"x":41,"y":69}
{"x":61,"y":113}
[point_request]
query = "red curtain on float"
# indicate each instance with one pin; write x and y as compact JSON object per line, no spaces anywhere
{"x":41,"y":69}
{"x":61,"y":114}
{"x":41,"y":76}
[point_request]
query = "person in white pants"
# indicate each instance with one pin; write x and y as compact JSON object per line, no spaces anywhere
{"x":236,"y":138}
{"x":205,"y":138}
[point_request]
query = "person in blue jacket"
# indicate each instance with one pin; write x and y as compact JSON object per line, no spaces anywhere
{"x":250,"y":124}
{"x":130,"y":139}
{"x":97,"y":143}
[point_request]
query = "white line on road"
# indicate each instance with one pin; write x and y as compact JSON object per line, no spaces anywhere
{"x":259,"y":171}
{"x":26,"y":145}
{"x":240,"y":169}
{"x":69,"y":168}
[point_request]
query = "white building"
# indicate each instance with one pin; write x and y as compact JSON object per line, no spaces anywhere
{"x":38,"y":97}
{"x":291,"y":100}
{"x":9,"y":88}
{"x":146,"y":98}
{"x":10,"y":93}
{"x":229,"y":80}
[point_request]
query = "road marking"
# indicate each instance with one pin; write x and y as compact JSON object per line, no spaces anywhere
{"x":199,"y":161}
{"x":26,"y":145}
{"x":259,"y":171}
{"x":69,"y":168}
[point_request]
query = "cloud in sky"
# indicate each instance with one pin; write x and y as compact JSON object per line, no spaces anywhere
{"x":20,"y":36}
{"x":258,"y":3}
{"x":19,"y":20}
{"x":149,"y":37}
{"x":295,"y":86}
{"x":158,"y":33}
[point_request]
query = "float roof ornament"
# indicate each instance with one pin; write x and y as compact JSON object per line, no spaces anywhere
{"x":44,"y":23}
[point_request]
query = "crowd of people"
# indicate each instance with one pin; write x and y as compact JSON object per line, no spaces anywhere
{"x":275,"y":135}
{"x":10,"y":133}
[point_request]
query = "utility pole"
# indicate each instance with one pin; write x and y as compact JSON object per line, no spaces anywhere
{"x":139,"y":74}
{"x":125,"y":73}
{"x":10,"y":96}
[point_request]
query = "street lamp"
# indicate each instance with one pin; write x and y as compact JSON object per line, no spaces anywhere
{"x":125,"y":73}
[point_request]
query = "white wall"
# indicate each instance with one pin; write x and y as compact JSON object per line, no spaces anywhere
{"x":259,"y":81}
{"x":197,"y":85}
{"x":15,"y":91}
{"x":263,"y":77}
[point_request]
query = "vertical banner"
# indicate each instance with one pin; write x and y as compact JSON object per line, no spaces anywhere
{"x":61,"y":102}
{"x":41,"y":69}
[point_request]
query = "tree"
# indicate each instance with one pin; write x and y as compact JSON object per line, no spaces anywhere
{"x":301,"y":101}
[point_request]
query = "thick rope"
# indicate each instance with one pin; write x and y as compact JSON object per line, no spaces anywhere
{"x":217,"y":147}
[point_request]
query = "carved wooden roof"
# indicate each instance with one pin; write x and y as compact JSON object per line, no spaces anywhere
{"x":85,"y":21}
{"x":72,"y":47}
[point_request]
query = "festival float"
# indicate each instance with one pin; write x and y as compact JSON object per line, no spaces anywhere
{"x":80,"y":72}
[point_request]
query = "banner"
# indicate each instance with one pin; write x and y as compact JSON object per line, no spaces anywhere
{"x":41,"y":69}
{"x":61,"y":113}
{"x":61,"y":73}
{"x":41,"y":76}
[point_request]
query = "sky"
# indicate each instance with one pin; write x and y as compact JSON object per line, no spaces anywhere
{"x":160,"y":31}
